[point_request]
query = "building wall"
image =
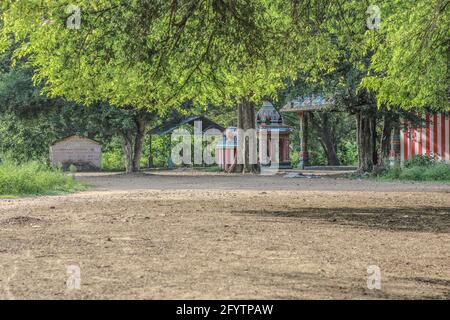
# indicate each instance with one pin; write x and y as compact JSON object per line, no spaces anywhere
{"x":76,"y":150}
{"x":431,"y":139}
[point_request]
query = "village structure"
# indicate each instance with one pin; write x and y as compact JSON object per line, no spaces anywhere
{"x":431,"y":137}
{"x":270,"y":129}
{"x":84,"y":153}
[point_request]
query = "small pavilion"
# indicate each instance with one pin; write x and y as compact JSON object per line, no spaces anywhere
{"x":302,"y":106}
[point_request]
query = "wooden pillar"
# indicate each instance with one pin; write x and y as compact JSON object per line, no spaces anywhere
{"x":303,"y":140}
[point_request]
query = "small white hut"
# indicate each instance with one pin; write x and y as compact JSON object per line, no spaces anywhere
{"x":82,"y":152}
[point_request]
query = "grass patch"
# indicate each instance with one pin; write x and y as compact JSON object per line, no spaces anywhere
{"x":35,"y":178}
{"x":420,"y":168}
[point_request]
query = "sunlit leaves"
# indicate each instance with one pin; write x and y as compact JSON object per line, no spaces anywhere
{"x":151,"y":54}
{"x":409,"y":67}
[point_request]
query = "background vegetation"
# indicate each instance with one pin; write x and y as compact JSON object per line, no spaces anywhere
{"x":420,"y":168}
{"x":34,"y":178}
{"x":133,"y":65}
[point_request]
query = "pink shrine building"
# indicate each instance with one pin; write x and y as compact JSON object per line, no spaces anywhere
{"x":226,"y":149}
{"x":269,"y":124}
{"x":269,"y":128}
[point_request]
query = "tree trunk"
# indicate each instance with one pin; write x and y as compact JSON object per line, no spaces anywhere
{"x":385,"y":139}
{"x":141,"y":130}
{"x":326,"y":138}
{"x":127,"y":147}
{"x":330,"y":151}
{"x":374,"y":140}
{"x":133,"y":142}
{"x":246,"y":120}
{"x":365,"y":140}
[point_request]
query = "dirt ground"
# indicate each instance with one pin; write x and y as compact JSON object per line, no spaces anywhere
{"x":212,"y":236}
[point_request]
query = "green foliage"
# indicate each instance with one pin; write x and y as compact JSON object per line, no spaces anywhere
{"x":23,"y":140}
{"x":112,"y":156}
{"x":72,"y":169}
{"x":158,"y":54}
{"x":148,"y":55}
{"x":317,"y":157}
{"x":438,"y":172}
{"x":155,"y":55}
{"x":347,"y":153}
{"x":112,"y":161}
{"x":343,"y":131}
{"x":420,"y":168}
{"x":161,"y":148}
{"x":34,"y":178}
{"x":30,"y":121}
{"x":151,"y":54}
{"x":404,"y":62}
{"x":421,"y":161}
{"x":409,"y":67}
{"x":294,"y":157}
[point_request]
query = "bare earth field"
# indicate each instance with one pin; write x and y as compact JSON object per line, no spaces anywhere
{"x":212,"y":236}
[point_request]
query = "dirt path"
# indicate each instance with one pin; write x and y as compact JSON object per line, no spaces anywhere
{"x":213,"y":236}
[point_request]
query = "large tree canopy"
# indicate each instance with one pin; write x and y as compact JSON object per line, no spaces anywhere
{"x":149,"y":54}
{"x":411,"y":58}
{"x":403,"y":58}
{"x":352,"y":51}
{"x":156,"y":54}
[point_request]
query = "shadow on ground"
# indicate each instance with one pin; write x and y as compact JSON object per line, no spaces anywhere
{"x":419,"y":219}
{"x":301,"y":284}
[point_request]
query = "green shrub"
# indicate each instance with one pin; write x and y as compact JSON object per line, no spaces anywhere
{"x":161,"y":149}
{"x":391,"y":173}
{"x":295,"y":159}
{"x":438,"y":172}
{"x":412,"y":173}
{"x":34,"y":178}
{"x":420,"y":168}
{"x":347,"y":153}
{"x":420,"y":161}
{"x":72,"y":169}
{"x":112,"y":161}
